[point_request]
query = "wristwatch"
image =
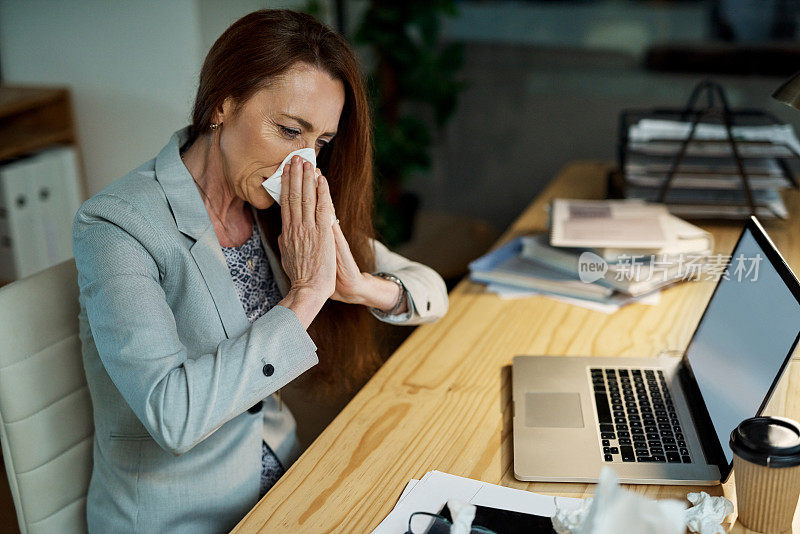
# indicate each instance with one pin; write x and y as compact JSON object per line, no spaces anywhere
{"x":400,"y":299}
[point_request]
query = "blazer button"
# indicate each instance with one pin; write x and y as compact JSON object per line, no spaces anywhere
{"x":256,"y":407}
{"x":268,"y":369}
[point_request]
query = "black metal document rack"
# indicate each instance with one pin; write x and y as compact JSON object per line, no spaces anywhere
{"x":708,"y":104}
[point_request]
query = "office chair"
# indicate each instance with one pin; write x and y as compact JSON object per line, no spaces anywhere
{"x":46,"y":423}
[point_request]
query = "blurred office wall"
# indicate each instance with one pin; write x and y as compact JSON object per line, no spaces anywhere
{"x":547,"y":81}
{"x":529,"y":111}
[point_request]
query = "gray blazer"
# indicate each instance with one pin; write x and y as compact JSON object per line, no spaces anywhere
{"x":173,"y":364}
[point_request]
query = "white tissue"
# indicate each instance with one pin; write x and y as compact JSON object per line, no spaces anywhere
{"x":707,"y":513}
{"x":569,"y":518}
{"x":614,"y":510}
{"x":273,"y":183}
{"x":463,"y":514}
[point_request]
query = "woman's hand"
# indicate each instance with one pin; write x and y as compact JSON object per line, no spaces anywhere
{"x":307,"y":245}
{"x":356,"y":287}
{"x":351,"y":284}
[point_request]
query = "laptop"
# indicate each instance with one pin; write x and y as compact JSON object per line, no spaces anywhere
{"x":664,"y":420}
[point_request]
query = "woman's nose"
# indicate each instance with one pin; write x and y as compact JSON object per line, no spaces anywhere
{"x":312,"y":146}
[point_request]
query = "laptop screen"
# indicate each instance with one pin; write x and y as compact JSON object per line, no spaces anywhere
{"x":746,"y":333}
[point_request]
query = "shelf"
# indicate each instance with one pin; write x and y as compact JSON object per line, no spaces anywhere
{"x":33,"y":118}
{"x":20,"y":98}
{"x":16,"y":144}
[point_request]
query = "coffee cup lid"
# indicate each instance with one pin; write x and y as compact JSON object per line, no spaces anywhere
{"x":772,"y":441}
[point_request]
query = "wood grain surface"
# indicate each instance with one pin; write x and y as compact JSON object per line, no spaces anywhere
{"x":442,"y":401}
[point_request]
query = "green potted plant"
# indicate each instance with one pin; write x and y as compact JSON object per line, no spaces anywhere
{"x":413,"y":88}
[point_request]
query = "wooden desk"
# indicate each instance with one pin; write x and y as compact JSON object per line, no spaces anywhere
{"x":442,"y":401}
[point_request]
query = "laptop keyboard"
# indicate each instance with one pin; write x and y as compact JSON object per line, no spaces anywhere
{"x":638,"y":421}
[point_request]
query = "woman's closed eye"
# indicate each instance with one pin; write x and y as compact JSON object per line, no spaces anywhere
{"x":291,"y":133}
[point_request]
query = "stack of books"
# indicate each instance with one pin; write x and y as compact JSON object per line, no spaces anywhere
{"x":708,"y":183}
{"x":610,"y":252}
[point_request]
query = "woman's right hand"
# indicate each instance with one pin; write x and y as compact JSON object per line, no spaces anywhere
{"x":307,"y":245}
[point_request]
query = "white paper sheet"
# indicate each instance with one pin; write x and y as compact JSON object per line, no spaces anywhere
{"x":435,"y":488}
{"x":411,"y":483}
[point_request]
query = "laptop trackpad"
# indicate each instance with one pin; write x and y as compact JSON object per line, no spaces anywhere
{"x":553,"y":410}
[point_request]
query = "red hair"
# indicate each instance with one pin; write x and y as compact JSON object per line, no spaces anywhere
{"x":245,"y":59}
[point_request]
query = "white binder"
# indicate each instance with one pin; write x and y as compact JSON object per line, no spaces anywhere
{"x":39,"y":196}
{"x":22,"y":252}
{"x":55,"y":188}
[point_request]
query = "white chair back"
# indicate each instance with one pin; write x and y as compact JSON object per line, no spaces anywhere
{"x":46,"y":423}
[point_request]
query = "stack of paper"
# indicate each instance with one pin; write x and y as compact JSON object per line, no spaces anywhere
{"x":609,"y":306}
{"x":599,"y":254}
{"x":507,"y":266}
{"x":708,"y":182}
{"x":770,"y":138}
{"x":704,"y":173}
{"x":432,"y":492}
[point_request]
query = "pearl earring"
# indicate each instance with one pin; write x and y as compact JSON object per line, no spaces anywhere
{"x":214,"y":125}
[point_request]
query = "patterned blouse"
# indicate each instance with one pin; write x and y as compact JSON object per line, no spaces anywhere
{"x":259,"y":292}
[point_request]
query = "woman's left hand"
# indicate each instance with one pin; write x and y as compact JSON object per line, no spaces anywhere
{"x":351,"y":284}
{"x":356,"y":287}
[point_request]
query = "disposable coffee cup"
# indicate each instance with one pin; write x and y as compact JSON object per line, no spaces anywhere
{"x":766,"y":462}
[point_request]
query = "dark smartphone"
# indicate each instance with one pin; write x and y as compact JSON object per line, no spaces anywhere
{"x":507,"y":522}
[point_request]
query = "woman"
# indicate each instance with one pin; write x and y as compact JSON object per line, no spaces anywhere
{"x":198,"y":292}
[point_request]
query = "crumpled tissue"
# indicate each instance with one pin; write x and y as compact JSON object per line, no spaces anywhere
{"x":707,"y":513}
{"x":273,"y":183}
{"x":614,"y":510}
{"x":463,"y":514}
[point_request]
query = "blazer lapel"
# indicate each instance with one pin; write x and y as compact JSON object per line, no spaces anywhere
{"x":178,"y":185}
{"x":207,"y":252}
{"x":192,"y":220}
